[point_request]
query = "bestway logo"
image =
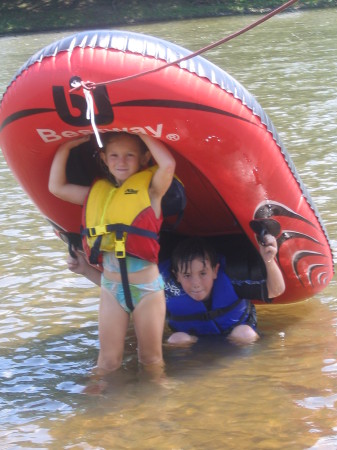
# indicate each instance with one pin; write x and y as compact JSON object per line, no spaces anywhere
{"x":48,"y":135}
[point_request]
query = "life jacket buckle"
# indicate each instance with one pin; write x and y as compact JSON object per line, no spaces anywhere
{"x":120,"y":247}
{"x":97,"y":231}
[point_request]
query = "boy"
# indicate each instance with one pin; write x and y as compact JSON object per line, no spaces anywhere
{"x":202,"y":300}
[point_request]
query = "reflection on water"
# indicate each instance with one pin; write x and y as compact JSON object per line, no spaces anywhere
{"x":279,"y":393}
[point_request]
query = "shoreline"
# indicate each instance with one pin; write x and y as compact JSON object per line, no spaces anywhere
{"x":19,"y":18}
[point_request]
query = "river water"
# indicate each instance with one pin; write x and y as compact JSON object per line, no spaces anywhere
{"x":280,"y":393}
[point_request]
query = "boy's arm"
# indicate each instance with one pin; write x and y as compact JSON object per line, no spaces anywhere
{"x":58,"y":183}
{"x":275,"y":281}
{"x":80,"y":266}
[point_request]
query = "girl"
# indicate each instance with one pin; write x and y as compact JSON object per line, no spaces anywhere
{"x":126,"y":155}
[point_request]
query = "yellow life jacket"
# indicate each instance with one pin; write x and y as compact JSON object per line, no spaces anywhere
{"x":121,"y":219}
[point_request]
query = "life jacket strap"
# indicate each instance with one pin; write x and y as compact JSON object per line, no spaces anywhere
{"x":99,"y":230}
{"x":206,"y":315}
{"x":119,"y":229}
{"x":125,"y":283}
{"x":120,"y":255}
{"x":95,"y":251}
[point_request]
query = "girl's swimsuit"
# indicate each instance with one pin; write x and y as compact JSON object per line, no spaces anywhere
{"x":111,"y":263}
{"x":138,"y":291}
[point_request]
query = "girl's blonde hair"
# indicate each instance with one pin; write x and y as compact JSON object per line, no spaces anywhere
{"x":111,"y":136}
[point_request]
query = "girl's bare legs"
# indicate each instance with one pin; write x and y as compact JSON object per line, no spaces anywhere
{"x":113,"y":325}
{"x":149,"y":321}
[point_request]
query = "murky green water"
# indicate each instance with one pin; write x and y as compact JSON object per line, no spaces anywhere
{"x":278,"y":394}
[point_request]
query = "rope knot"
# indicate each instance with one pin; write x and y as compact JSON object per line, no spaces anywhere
{"x":75,"y":84}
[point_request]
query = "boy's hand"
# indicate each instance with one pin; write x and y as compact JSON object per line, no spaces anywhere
{"x":78,"y":264}
{"x":268,"y":248}
{"x":181,"y":339}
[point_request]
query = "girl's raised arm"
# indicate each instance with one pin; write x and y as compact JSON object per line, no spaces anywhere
{"x":162,"y":178}
{"x":58,"y":183}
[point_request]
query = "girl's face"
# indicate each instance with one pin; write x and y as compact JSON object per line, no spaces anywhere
{"x":124,"y":158}
{"x":198,"y":279}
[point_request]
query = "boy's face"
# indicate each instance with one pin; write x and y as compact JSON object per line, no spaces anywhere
{"x":198,"y":278}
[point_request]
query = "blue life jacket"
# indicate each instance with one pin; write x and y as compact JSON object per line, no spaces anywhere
{"x":191,"y":316}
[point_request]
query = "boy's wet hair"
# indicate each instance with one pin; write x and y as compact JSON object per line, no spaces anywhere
{"x":188,"y":250}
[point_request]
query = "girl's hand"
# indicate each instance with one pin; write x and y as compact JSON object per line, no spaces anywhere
{"x":76,"y":142}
